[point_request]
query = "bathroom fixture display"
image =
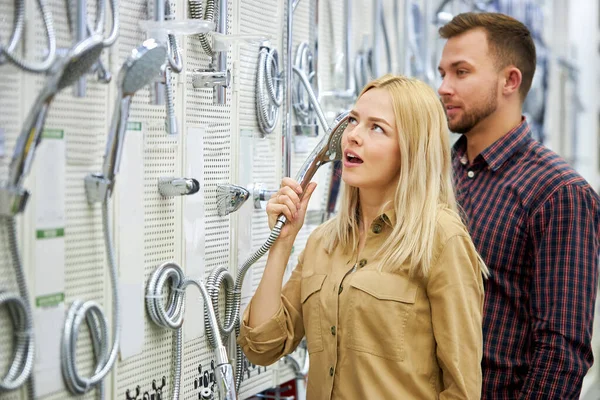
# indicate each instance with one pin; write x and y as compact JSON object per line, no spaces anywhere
{"x":13,"y":199}
{"x":142,"y":66}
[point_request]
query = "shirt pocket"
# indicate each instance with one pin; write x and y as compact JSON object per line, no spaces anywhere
{"x":311,"y":311}
{"x":380,"y":306}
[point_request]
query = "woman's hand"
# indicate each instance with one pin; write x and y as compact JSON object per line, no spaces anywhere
{"x":291,"y":202}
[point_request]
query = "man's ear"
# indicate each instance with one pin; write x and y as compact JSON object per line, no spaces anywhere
{"x":512,"y":80}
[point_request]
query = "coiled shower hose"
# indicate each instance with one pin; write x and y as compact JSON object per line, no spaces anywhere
{"x":221,"y":276}
{"x":303,"y":108}
{"x":21,"y":316}
{"x":170,"y":314}
{"x":268,"y":90}
{"x":97,"y":325}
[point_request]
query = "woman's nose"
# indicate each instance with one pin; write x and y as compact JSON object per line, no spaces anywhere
{"x":354,"y":134}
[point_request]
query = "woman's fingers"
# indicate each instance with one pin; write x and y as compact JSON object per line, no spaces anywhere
{"x":276,"y":209}
{"x":289,"y":182}
{"x":308,"y":193}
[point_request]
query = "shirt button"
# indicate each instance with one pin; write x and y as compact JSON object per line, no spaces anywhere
{"x":331,"y":371}
{"x":463,"y":160}
{"x":471,"y":174}
{"x":376,"y":228}
{"x":362,"y":263}
{"x":340,"y":290}
{"x":333,"y":330}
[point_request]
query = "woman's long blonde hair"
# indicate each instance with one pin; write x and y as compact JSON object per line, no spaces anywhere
{"x":425,"y":184}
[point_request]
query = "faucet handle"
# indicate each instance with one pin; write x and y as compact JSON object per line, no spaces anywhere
{"x":171,"y":186}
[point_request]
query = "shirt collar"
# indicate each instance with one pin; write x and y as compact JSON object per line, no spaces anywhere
{"x":502,"y":149}
{"x":388,"y":217}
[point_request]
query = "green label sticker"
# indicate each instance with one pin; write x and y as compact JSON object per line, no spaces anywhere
{"x":53,"y":134}
{"x":50,"y":233}
{"x":134,"y":126}
{"x":50,"y":300}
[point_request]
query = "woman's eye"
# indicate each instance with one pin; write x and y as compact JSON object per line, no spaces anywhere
{"x":352,"y":120}
{"x":378,"y":129}
{"x":461,"y":72}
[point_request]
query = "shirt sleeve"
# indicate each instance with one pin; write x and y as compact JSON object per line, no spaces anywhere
{"x":563,"y":292}
{"x":266,"y":343}
{"x":455,"y":291}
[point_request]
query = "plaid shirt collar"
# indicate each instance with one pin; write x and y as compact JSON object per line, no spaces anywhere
{"x":501,"y":150}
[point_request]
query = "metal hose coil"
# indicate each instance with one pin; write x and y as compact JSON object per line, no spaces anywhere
{"x":268,"y":89}
{"x":98,"y":326}
{"x":303,"y":109}
{"x":234,"y":298}
{"x":169,"y":314}
{"x":21,"y":316}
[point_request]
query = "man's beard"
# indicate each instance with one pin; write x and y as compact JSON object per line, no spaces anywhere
{"x":471,"y":118}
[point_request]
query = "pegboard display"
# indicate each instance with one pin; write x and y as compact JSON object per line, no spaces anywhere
{"x":10,"y":126}
{"x":162,"y":235}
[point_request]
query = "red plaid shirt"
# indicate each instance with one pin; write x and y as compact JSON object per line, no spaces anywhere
{"x":536,"y":223}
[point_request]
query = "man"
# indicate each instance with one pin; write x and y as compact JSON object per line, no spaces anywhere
{"x":534,"y":220}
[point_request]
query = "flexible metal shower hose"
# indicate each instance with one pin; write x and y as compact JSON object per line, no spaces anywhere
{"x":100,"y":16}
{"x":98,"y":326}
{"x":234,"y":299}
{"x":169,"y":314}
{"x":21,"y":316}
{"x":305,"y":112}
{"x":175,"y":65}
{"x":268,"y":90}
{"x":209,"y":15}
{"x":8,"y":52}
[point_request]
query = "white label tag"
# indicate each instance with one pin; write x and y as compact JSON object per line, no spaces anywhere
{"x":49,"y":265}
{"x":194,"y":233}
{"x":129,"y":234}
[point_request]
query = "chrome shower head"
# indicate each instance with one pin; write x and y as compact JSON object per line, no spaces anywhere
{"x":140,"y":69}
{"x":230,"y":198}
{"x":327,"y":150}
{"x":63,"y":73}
{"x":78,"y":61}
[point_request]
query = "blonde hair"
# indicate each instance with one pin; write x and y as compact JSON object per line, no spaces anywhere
{"x":425,"y":185}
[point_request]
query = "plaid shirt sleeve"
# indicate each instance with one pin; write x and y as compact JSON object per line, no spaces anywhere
{"x":563,"y":292}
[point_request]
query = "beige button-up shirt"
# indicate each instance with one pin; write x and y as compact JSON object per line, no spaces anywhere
{"x":377,"y":334}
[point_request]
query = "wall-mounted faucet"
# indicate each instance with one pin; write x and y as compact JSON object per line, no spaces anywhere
{"x":169,"y":187}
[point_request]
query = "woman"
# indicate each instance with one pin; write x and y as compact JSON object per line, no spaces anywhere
{"x":389,"y":293}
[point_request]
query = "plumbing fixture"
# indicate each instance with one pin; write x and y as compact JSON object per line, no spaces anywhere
{"x":138,"y":70}
{"x":230,"y":198}
{"x":13,"y":199}
{"x":268,"y":90}
{"x":217,"y":75}
{"x":178,"y":186}
{"x":170,"y":316}
{"x":7,"y":52}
